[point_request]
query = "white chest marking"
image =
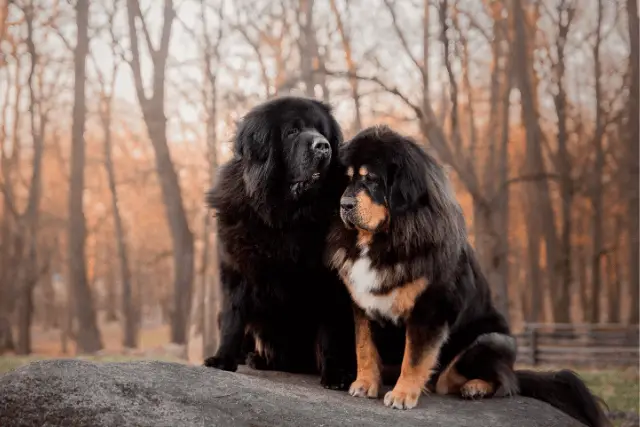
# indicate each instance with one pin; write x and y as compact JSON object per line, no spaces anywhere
{"x":363,"y":280}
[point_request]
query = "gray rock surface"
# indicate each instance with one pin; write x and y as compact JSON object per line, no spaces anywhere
{"x":80,"y":393}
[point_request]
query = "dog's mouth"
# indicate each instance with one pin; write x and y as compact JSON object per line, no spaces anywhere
{"x":301,"y":186}
{"x":347,"y":220}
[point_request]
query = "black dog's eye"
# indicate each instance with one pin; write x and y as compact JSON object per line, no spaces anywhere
{"x":291,"y":132}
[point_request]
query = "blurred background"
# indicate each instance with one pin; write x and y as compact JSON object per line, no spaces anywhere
{"x":115,"y":114}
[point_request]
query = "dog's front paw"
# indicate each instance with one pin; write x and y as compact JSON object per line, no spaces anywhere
{"x":224,"y":363}
{"x":402,"y":397}
{"x":365,"y":387}
{"x":336,"y":378}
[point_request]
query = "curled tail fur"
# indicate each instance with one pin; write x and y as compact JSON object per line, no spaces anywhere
{"x":565,"y":391}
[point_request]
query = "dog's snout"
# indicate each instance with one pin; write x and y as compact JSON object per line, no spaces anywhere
{"x":321,"y":146}
{"x":347,"y":203}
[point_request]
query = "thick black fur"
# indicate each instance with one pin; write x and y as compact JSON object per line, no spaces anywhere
{"x":274,"y":202}
{"x":425,"y":237}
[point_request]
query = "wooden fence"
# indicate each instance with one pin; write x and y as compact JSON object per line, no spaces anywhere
{"x":578,"y":344}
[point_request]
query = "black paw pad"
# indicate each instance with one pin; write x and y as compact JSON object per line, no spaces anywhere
{"x":224,"y":363}
{"x":336,"y":378}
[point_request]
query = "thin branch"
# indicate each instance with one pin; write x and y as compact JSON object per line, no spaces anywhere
{"x":400,"y":34}
{"x":145,"y":30}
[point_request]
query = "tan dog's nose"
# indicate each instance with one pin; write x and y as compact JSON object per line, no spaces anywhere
{"x":347,"y":203}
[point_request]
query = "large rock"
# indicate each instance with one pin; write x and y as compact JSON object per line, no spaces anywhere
{"x":80,"y":393}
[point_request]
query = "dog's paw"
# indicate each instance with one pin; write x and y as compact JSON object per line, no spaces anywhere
{"x":402,"y":397}
{"x":224,"y":363}
{"x":476,"y":389}
{"x":365,"y":387}
{"x":336,"y":378}
{"x":257,"y":361}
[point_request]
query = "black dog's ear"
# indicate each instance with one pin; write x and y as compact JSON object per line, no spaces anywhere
{"x":253,"y":145}
{"x":252,"y":140}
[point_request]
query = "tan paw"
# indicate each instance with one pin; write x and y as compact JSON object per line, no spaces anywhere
{"x":365,"y":387}
{"x":476,"y":389}
{"x":402,"y":397}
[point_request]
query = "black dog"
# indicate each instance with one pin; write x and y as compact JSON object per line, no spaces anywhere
{"x":274,"y":202}
{"x":403,"y":253}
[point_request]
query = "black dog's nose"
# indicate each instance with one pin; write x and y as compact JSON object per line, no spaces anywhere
{"x":347,"y":203}
{"x":320,"y":146}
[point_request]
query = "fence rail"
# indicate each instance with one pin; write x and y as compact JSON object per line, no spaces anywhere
{"x":578,"y":344}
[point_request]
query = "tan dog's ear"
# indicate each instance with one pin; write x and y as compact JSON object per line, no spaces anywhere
{"x":407,"y":184}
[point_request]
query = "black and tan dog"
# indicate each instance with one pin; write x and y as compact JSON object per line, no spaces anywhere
{"x":403,"y":253}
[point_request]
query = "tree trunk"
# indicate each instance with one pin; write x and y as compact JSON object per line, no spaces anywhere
{"x":182,"y":237}
{"x":211,"y":303}
{"x":351,"y":65}
{"x":88,"y":337}
{"x":27,"y":265}
{"x":491,"y":255}
{"x":614,"y":276}
{"x":632,"y":157}
{"x":561,"y":300}
{"x":111,"y":306}
{"x":582,"y":268}
{"x":491,"y":225}
{"x":596,"y":189}
{"x":534,"y":166}
{"x":210,"y":277}
{"x":156,"y":123}
{"x":307,"y":47}
{"x":6,"y":333}
{"x":130,"y":333}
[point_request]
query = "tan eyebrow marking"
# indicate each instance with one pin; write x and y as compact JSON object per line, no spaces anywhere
{"x":363,"y":171}
{"x":350,"y":172}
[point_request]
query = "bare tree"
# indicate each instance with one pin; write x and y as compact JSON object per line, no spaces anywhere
{"x":88,"y":335}
{"x":542,"y":220}
{"x":596,"y":188}
{"x":156,"y":122}
{"x":210,"y":46}
{"x":306,"y":42}
{"x":107,"y":83}
{"x":565,"y":14}
{"x":7,"y":232}
{"x":25,"y":250}
{"x":632,"y":157}
{"x":352,"y":67}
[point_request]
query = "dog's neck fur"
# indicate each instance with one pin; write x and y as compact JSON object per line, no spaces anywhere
{"x":409,"y":250}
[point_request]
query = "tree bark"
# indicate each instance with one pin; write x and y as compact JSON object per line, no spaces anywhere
{"x":156,"y":123}
{"x":491,"y":224}
{"x":351,"y":65}
{"x":561,"y":298}
{"x":632,"y":157}
{"x":210,"y":275}
{"x":111,"y":304}
{"x":596,"y":189}
{"x":26,"y":248}
{"x":88,"y":335}
{"x":540,"y":197}
{"x":130,"y":333}
{"x":613,"y":274}
{"x":307,"y":46}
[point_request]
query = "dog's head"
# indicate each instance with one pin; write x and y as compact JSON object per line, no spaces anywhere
{"x":395,"y":187}
{"x":288,"y":147}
